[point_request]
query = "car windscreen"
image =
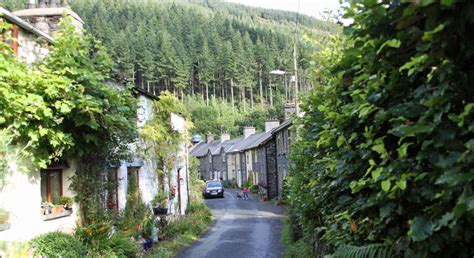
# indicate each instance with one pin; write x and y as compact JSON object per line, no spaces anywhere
{"x":214,"y":184}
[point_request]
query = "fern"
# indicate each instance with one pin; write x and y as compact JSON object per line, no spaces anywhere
{"x":368,"y":251}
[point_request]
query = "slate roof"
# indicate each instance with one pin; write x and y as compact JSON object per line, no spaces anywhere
{"x":200,"y":150}
{"x":250,"y":142}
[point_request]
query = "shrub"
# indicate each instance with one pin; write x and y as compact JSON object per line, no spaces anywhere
{"x":57,"y":244}
{"x":123,"y":245}
{"x":95,"y":237}
{"x":387,"y":146}
{"x":254,"y":188}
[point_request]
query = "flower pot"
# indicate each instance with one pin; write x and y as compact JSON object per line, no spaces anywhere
{"x":160,"y":211}
{"x":57,"y":209}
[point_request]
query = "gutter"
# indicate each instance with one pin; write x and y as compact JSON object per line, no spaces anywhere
{"x":24,"y":25}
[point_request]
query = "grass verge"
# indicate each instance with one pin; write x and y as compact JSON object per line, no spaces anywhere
{"x":183,"y":231}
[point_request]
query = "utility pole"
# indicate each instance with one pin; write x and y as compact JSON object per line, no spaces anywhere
{"x":295,"y":67}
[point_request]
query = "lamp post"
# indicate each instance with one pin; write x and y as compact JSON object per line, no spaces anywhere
{"x":277,"y":72}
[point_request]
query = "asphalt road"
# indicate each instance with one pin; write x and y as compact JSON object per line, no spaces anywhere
{"x":242,"y":228}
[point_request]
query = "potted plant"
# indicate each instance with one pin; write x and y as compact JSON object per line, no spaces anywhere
{"x":46,"y":208}
{"x":65,"y":201}
{"x":159,"y":203}
{"x":4,"y":216}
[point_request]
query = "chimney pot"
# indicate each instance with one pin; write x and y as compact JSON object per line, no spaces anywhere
{"x":42,"y":4}
{"x":52,"y":3}
{"x":63,"y":3}
{"x":225,"y":137}
{"x":248,"y":130}
{"x":270,"y":124}
{"x":31,"y":4}
{"x":209,"y":137}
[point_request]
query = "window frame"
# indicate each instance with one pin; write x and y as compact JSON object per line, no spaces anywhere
{"x":49,"y":197}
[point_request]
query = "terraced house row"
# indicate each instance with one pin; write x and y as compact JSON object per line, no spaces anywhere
{"x":259,"y":158}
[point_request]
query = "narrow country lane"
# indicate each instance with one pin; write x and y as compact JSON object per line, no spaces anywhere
{"x":243,"y":228}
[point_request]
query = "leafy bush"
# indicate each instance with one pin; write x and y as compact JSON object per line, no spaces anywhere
{"x":194,"y":223}
{"x":95,"y":237}
{"x":123,"y":245}
{"x":57,"y":244}
{"x":253,"y":188}
{"x":387,"y":145}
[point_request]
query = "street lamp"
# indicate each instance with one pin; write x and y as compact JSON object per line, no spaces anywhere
{"x":277,"y":72}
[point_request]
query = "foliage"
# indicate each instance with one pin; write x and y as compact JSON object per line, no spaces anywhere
{"x":164,"y":142}
{"x":386,"y":152}
{"x":253,"y":188}
{"x":15,"y":248}
{"x":62,"y":107}
{"x":148,"y":227}
{"x":368,"y":251}
{"x":64,"y":200}
{"x":292,"y":248}
{"x":89,"y":185}
{"x":199,"y":47}
{"x":123,"y":245}
{"x":184,"y":230}
{"x":4,"y":216}
{"x":159,"y":200}
{"x":57,"y":244}
{"x":136,"y":211}
{"x":95,"y":237}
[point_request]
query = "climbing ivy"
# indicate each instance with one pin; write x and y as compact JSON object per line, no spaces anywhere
{"x":386,"y":155}
{"x":162,"y":140}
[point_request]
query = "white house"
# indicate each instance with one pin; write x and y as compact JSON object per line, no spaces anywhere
{"x":23,"y":192}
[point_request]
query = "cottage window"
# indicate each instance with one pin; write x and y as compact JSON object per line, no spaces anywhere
{"x":51,"y":185}
{"x":223,"y":157}
{"x":134,"y":170}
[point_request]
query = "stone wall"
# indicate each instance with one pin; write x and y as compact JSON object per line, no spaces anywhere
{"x":30,"y":47}
{"x":271,"y":165}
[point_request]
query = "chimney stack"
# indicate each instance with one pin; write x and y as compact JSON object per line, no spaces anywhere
{"x":248,"y":130}
{"x":271,"y":123}
{"x":225,"y":137}
{"x":42,"y":4}
{"x":31,"y":4}
{"x":47,"y":19}
{"x":209,"y":137}
{"x":290,"y":110}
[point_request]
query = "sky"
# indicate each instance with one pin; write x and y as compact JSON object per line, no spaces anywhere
{"x":314,"y":8}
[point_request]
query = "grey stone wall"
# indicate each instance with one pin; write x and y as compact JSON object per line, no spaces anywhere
{"x":271,"y":167}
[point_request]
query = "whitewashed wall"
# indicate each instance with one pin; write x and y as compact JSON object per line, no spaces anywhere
{"x":21,"y":196}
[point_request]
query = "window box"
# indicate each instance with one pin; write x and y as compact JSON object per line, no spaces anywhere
{"x":58,"y":215}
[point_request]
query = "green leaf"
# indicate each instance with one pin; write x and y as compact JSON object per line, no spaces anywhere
{"x":448,"y":3}
{"x":376,"y":173}
{"x":402,"y":150}
{"x":402,"y":184}
{"x":470,"y":144}
{"x":420,"y":229}
{"x":386,"y":185}
{"x":393,"y":43}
